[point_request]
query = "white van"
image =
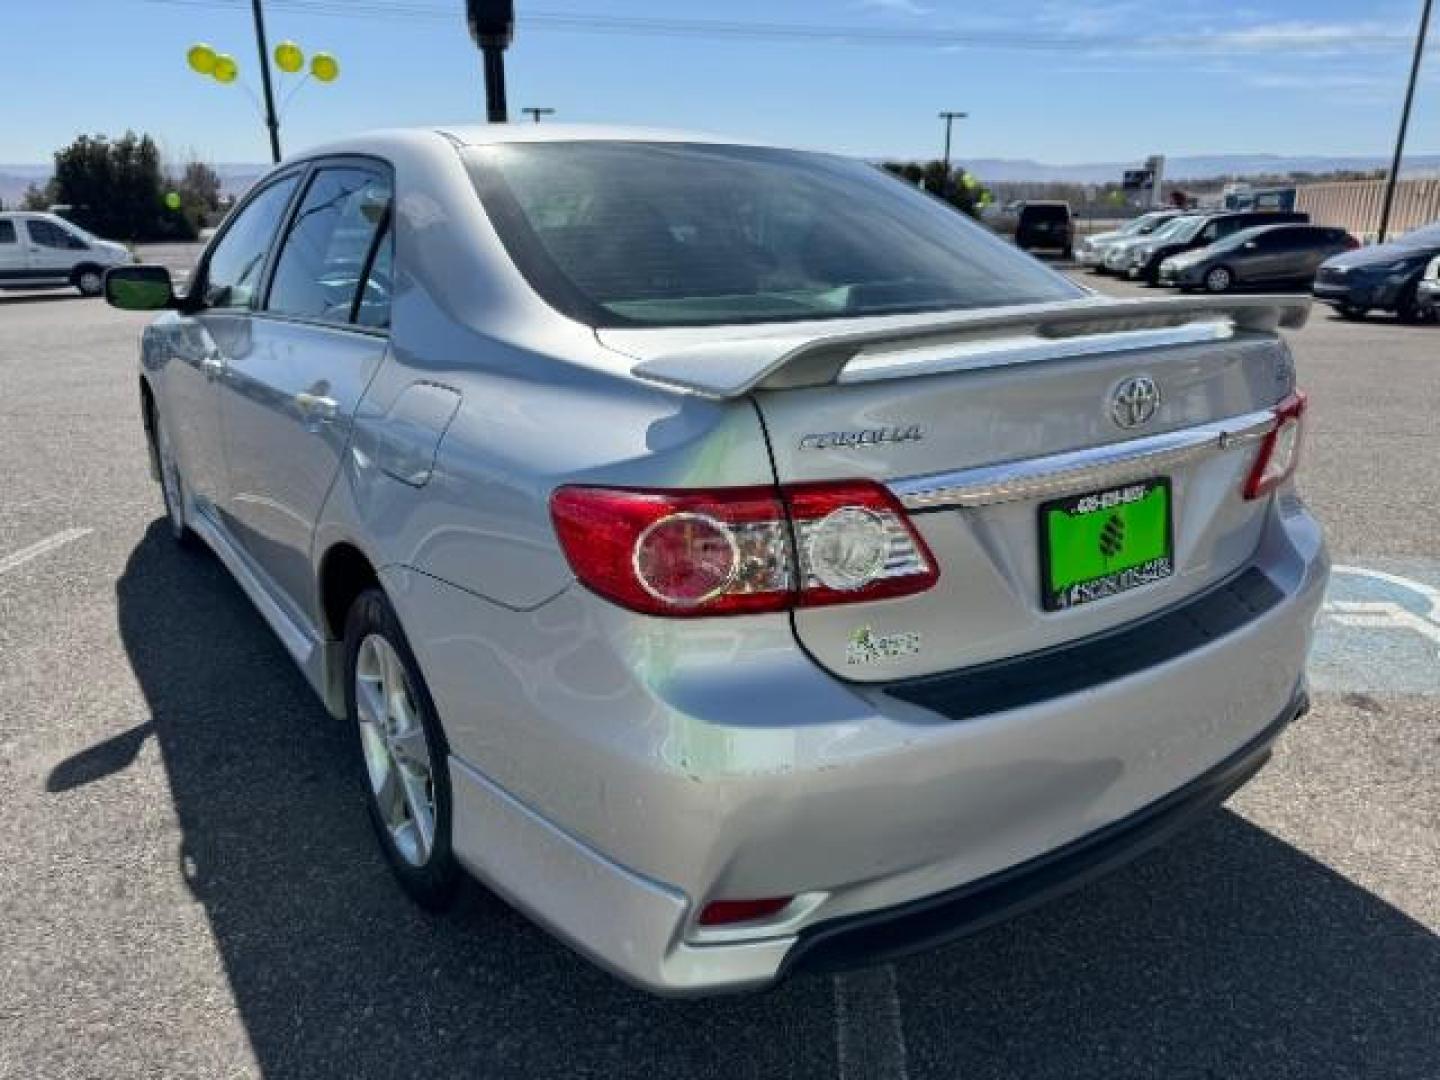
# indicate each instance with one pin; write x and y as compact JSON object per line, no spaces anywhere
{"x":42,"y":251}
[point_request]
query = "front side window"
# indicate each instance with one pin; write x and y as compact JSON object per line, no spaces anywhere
{"x":326,"y":253}
{"x":232,"y":274}
{"x":678,"y":234}
{"x":48,"y":234}
{"x":7,"y":232}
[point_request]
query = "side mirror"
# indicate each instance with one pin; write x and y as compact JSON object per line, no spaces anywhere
{"x":139,"y":288}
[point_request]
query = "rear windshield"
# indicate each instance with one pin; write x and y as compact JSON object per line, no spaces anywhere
{"x":678,"y":234}
{"x":1045,"y":213}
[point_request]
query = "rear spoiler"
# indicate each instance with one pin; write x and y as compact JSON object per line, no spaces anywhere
{"x":892,"y":347}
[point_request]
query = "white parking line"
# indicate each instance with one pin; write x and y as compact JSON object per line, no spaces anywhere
{"x":869,"y":1032}
{"x":41,"y":547}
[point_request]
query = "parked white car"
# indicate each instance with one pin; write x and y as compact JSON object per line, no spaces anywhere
{"x":43,"y":251}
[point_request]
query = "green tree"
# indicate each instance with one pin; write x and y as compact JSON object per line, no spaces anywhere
{"x":954,"y":185}
{"x":199,"y":191}
{"x":116,"y":188}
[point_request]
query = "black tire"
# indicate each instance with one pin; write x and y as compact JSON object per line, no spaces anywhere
{"x":1351,"y":312}
{"x":433,"y":883}
{"x":89,"y":279}
{"x":172,"y":481}
{"x":1219,"y":279}
{"x":1410,"y":310}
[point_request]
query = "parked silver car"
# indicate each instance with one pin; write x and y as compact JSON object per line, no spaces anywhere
{"x":1091,"y":251}
{"x":738,"y":560}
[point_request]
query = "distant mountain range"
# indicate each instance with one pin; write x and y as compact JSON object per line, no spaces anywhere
{"x":1196,"y":167}
{"x":14,"y":179}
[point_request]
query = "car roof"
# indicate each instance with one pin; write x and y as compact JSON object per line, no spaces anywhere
{"x":488,"y":134}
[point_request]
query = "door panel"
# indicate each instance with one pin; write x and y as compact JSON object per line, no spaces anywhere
{"x":190,"y":393}
{"x":12,"y":251}
{"x":291,"y":396}
{"x":52,"y":249}
{"x":203,"y":341}
{"x":288,"y":408}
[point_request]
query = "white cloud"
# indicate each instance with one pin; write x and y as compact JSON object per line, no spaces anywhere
{"x":898,"y":7}
{"x":1309,"y":37}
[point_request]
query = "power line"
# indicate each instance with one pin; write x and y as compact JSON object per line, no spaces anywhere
{"x":719,"y":29}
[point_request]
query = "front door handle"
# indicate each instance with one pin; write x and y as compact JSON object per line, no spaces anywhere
{"x":317,"y":407}
{"x":212,"y":365}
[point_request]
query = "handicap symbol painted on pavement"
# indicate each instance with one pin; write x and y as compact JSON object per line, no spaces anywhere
{"x":1379,"y":629}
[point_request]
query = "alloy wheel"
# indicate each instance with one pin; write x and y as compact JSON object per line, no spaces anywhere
{"x":91,"y":283}
{"x":396,"y":751}
{"x":1218,"y":280}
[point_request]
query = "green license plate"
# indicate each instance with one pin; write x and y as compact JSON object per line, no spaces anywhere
{"x":1105,"y":543}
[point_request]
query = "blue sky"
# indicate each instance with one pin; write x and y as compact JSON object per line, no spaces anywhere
{"x":1053,"y":80}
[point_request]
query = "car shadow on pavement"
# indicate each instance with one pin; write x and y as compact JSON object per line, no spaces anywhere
{"x":1228,"y":954}
{"x":40,"y":297}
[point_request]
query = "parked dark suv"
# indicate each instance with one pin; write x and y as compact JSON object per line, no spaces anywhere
{"x":1048,"y":226}
{"x":1202,"y":231}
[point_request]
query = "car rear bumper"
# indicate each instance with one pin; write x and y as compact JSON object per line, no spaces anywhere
{"x":933,"y":921}
{"x":613,"y":774}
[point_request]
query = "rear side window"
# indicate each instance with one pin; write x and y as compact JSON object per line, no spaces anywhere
{"x":7,"y":232}
{"x":327,"y":251}
{"x":48,"y":234}
{"x":232,"y":275}
{"x":679,"y":234}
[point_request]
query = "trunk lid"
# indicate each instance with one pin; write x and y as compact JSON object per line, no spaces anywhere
{"x":975,"y":425}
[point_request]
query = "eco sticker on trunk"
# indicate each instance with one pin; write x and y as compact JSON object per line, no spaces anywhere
{"x":867,"y":647}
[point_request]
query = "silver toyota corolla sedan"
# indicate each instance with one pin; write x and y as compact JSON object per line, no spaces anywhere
{"x":735,"y":558}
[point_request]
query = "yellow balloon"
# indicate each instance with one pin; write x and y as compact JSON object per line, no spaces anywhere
{"x":288,"y":57}
{"x":201,"y":59}
{"x":324,"y":67}
{"x":225,"y":68}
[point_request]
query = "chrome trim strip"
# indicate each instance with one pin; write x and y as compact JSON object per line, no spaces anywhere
{"x":1079,"y":470}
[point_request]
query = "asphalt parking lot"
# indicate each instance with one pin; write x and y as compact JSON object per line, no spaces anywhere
{"x":188,"y":886}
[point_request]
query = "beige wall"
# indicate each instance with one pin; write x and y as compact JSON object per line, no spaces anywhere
{"x":1356,"y":205}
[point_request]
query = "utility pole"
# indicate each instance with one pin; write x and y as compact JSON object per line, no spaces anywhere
{"x":532,"y":111}
{"x":492,"y":25}
{"x":271,"y":120}
{"x":950,"y":118}
{"x":1404,"y":121}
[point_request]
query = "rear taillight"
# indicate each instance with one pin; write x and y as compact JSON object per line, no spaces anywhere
{"x":730,"y":551}
{"x":1280,"y":451}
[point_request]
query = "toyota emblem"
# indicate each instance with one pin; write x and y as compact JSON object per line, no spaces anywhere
{"x":1135,"y":401}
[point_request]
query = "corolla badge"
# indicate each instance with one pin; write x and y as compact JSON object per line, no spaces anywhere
{"x":1135,"y":401}
{"x":895,"y":433}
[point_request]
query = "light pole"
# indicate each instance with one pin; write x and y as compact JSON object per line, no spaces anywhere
{"x":492,"y":26}
{"x":271,"y":120}
{"x":950,"y":118}
{"x":536,"y":113}
{"x":1404,"y":121}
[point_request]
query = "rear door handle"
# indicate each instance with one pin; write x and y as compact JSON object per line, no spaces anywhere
{"x":316,"y":407}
